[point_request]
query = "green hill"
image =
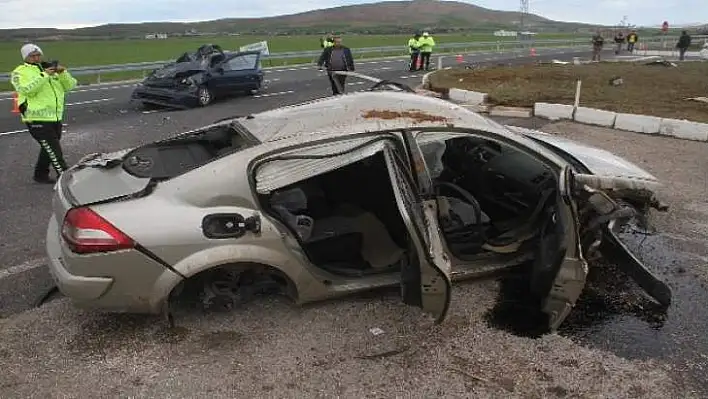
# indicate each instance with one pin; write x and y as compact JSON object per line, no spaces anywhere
{"x":382,"y":18}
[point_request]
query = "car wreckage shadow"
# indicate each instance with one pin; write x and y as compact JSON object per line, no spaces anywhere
{"x":608,"y":294}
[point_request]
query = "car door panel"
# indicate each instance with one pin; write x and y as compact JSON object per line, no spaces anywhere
{"x":559,"y":272}
{"x":426,"y":276}
{"x":239,"y":72}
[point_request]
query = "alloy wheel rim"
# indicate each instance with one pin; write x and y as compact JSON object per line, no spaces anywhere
{"x":204,"y":96}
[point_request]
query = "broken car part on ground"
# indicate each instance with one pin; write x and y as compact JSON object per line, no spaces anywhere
{"x":343,"y":195}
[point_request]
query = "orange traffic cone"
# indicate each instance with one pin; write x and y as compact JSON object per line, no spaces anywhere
{"x":418,"y":63}
{"x":15,"y":105}
{"x":532,"y":53}
{"x":459,"y":58}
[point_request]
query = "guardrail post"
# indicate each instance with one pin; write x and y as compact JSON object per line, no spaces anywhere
{"x":98,"y":78}
{"x":440,"y":62}
{"x":498,"y":47}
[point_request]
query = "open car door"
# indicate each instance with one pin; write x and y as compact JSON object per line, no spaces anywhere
{"x":559,"y":272}
{"x":425,"y":276}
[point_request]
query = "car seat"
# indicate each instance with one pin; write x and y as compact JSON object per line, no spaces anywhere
{"x":325,"y":238}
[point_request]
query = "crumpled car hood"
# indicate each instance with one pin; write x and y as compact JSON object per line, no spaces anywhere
{"x":178,"y":69}
{"x":599,"y":162}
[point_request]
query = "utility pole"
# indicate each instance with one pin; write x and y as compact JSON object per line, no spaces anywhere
{"x":524,"y":11}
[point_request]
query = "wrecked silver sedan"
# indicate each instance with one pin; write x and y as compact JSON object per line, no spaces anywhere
{"x":342,"y":195}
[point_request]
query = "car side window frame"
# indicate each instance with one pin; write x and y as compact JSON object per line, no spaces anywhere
{"x":228,"y":66}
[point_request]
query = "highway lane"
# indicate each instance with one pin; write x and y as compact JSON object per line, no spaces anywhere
{"x":112,"y":101}
{"x":26,"y":206}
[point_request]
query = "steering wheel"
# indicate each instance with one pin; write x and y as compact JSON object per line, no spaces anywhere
{"x":403,"y":87}
{"x":466,"y":196}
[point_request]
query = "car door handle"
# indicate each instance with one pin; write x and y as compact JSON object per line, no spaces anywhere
{"x":230,"y":225}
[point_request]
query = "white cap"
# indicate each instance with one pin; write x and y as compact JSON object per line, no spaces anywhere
{"x":28,"y":49}
{"x":426,"y":34}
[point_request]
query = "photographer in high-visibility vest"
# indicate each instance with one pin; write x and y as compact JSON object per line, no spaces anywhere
{"x":41,"y":89}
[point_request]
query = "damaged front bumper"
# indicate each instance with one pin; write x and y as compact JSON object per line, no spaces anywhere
{"x":167,"y":97}
{"x":607,"y":204}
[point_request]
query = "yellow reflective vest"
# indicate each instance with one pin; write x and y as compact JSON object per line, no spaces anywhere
{"x":41,"y":96}
{"x":426,"y":44}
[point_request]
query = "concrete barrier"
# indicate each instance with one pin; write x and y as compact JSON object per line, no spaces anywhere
{"x":596,"y":117}
{"x":553,"y":112}
{"x":684,"y":129}
{"x":638,"y":123}
{"x":467,"y":96}
{"x":511,"y":112}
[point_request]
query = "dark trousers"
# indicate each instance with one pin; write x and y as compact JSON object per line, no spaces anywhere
{"x":338,"y":83}
{"x":425,"y":59}
{"x":630,"y":47}
{"x":47,"y":134}
{"x":682,"y":53}
{"x":414,"y":61}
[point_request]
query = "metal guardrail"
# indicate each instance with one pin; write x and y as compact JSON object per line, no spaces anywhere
{"x":365,"y":52}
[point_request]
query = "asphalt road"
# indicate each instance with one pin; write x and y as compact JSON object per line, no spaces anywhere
{"x":102,"y":119}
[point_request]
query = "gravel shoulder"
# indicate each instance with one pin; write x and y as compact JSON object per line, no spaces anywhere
{"x":270,"y":348}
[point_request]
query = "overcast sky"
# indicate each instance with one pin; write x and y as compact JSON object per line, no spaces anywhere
{"x":74,"y":13}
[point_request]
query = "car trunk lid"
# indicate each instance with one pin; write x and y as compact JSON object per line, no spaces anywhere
{"x":96,"y":178}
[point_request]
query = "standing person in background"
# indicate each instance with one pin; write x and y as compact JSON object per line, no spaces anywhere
{"x":41,"y":89}
{"x":632,"y":39}
{"x":426,"y":44}
{"x":597,"y":42}
{"x":619,"y":41}
{"x":414,"y":49}
{"x":683,"y":44}
{"x":336,"y":58}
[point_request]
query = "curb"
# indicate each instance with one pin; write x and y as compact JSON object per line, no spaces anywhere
{"x":646,"y":124}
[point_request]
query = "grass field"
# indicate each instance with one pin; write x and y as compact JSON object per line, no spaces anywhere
{"x":647,"y":90}
{"x":84,"y":53}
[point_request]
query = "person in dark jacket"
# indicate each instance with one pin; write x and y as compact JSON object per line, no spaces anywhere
{"x":336,"y":58}
{"x":619,"y":41}
{"x":683,"y":44}
{"x":597,"y":42}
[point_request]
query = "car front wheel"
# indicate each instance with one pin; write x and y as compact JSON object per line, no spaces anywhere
{"x":205,"y":96}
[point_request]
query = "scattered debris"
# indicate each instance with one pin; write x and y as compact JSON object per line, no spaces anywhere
{"x":417,"y":116}
{"x":468,"y":375}
{"x":616,"y":81}
{"x":661,"y":62}
{"x":389,"y":353}
{"x":376,"y":331}
{"x":699,"y":99}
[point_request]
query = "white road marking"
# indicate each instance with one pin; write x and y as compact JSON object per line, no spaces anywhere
{"x":281,"y":93}
{"x":22,"y":267}
{"x":90,"y":102}
{"x":152,"y":111}
{"x":355,"y":83}
{"x":88,"y":90}
{"x":20,"y":131}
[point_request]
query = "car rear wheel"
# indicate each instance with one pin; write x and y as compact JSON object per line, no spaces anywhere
{"x":205,"y":96}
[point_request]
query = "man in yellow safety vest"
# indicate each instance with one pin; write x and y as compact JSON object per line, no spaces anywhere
{"x":426,"y":49}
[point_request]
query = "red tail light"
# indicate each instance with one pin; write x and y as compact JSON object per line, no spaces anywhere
{"x":86,"y":232}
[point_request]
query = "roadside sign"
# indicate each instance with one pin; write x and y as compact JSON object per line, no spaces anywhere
{"x":260,"y":46}
{"x":665,"y":26}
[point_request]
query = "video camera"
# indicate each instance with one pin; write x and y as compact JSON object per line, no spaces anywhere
{"x":50,"y":64}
